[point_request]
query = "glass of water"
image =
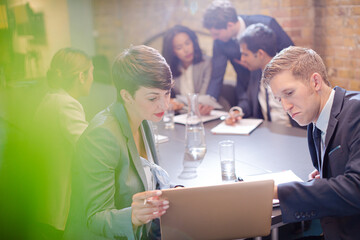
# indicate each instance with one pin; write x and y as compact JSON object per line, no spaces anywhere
{"x":168,"y":118}
{"x":227,"y":159}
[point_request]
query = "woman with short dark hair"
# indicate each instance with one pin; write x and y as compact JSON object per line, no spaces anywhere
{"x":115,"y":175}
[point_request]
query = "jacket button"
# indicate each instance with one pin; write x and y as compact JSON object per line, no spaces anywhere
{"x":312,"y":213}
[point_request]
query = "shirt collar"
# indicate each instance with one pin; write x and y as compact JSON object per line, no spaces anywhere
{"x":241,"y":30}
{"x":324,"y":117}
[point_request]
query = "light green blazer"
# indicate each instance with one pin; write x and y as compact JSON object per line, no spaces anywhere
{"x":107,"y":173}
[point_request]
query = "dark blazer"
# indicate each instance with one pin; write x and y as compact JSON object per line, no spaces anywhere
{"x":107,"y":172}
{"x":335,"y":198}
{"x":249,"y":102}
{"x":224,"y":51}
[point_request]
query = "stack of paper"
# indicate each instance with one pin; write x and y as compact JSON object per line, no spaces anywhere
{"x":243,"y":127}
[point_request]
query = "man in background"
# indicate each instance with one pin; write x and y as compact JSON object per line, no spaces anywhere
{"x":258,"y":47}
{"x":226,"y":28}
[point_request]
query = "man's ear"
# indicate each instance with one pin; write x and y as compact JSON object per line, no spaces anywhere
{"x":230,"y":25}
{"x":261,"y":53}
{"x":316,"y":81}
{"x":126,"y":96}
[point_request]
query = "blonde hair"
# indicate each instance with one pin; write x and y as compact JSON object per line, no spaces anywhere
{"x":302,"y":62}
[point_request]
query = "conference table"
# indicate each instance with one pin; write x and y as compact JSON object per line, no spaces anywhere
{"x":269,"y":148}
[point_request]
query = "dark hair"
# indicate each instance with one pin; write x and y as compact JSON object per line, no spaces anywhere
{"x":140,"y":66}
{"x":168,"y":49}
{"x":218,"y":14}
{"x":65,"y":67}
{"x":301,"y":62}
{"x":258,"y":36}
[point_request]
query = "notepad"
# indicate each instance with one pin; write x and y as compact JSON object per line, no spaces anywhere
{"x":243,"y":127}
{"x":215,"y":114}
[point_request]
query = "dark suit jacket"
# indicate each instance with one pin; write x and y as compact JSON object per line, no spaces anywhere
{"x":224,"y":51}
{"x":249,"y":101}
{"x":335,"y":198}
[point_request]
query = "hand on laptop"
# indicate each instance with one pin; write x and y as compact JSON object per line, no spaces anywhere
{"x":147,"y":206}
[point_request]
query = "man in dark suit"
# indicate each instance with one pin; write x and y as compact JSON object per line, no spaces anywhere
{"x":226,"y":27}
{"x":298,"y":79}
{"x":258,"y":47}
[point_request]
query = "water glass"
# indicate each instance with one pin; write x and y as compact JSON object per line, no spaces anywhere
{"x":168,"y":118}
{"x":227,"y":159}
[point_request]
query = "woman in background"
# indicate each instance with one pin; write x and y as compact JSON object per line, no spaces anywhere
{"x":190,"y":68}
{"x":115,"y":172}
{"x":58,"y":123}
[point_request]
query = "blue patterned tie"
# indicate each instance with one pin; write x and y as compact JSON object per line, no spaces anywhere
{"x":317,"y":141}
{"x":161,"y":176}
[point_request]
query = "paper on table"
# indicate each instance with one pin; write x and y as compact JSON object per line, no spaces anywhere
{"x":278,"y":177}
{"x":203,"y":99}
{"x":161,"y":138}
{"x":214,"y":114}
{"x":243,"y":127}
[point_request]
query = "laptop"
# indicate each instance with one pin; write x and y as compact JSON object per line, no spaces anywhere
{"x":229,"y":211}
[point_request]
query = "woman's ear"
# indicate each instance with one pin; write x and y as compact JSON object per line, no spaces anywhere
{"x":82,"y":77}
{"x":126,"y":96}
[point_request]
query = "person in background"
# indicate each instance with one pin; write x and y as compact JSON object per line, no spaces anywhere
{"x":115,"y":175}
{"x":58,"y":123}
{"x":226,"y":27}
{"x":102,"y":92}
{"x":258,"y":47}
{"x":298,"y":79}
{"x":191,"y":69}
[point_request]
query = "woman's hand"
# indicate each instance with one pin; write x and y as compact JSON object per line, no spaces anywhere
{"x":147,"y":206}
{"x":205,"y":109}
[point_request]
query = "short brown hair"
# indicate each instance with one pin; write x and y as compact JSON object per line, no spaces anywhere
{"x":218,"y":14}
{"x":140,"y":66}
{"x":302,"y":62}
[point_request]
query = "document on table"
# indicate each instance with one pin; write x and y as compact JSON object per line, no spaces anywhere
{"x":215,"y":114}
{"x":203,"y":99}
{"x":243,"y":127}
{"x":161,"y":138}
{"x":278,"y":177}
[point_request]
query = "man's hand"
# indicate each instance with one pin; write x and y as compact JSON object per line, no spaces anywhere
{"x":314,"y":175}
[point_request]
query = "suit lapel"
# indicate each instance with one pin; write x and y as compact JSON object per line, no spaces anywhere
{"x":333,"y":121}
{"x":150,"y":140}
{"x":119,"y":111}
